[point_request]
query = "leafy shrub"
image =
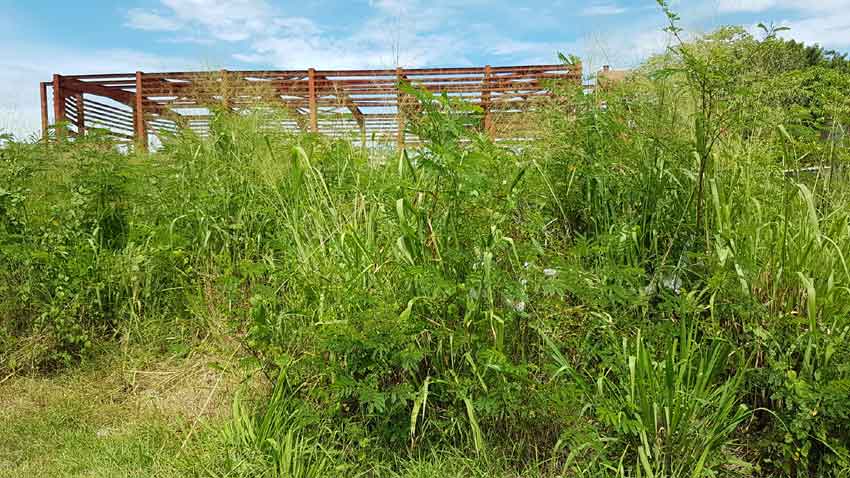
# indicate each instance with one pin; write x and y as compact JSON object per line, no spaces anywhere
{"x":670,"y":415}
{"x":406,"y":294}
{"x":276,"y":441}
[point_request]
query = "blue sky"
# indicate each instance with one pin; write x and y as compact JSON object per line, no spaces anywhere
{"x":41,"y":37}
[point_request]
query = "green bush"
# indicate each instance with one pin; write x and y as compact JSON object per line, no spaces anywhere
{"x":660,"y":240}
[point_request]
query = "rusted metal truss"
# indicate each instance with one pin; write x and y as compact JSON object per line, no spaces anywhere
{"x":339,"y":103}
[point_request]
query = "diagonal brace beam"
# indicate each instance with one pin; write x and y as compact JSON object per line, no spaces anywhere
{"x":116,"y":94}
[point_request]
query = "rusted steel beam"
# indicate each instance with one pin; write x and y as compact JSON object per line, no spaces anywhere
{"x":496,"y":87}
{"x":467,"y":77}
{"x":129,"y":83}
{"x":101,"y":76}
{"x":58,"y":105}
{"x":294,"y":74}
{"x":311,"y":91}
{"x":441,"y":71}
{"x":190,"y":75}
{"x":44,"y":117}
{"x":485,"y":100}
{"x":234,"y":84}
{"x":361,"y":89}
{"x":225,"y":90}
{"x":399,"y":74}
{"x":81,"y":114}
{"x":139,"y":127}
{"x":117,"y":94}
{"x":389,"y":72}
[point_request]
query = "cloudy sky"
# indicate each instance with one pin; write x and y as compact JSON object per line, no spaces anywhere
{"x":41,"y":37}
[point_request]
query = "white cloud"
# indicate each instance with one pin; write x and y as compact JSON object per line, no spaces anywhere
{"x":623,"y":49}
{"x":732,"y":6}
{"x":151,"y":21}
{"x":394,"y":7}
{"x":404,"y":32}
{"x":757,"y":6}
{"x":533,"y":52}
{"x":280,"y":40}
{"x":364,"y":49}
{"x":302,"y":53}
{"x":297,"y":26}
{"x":409,"y":33}
{"x":648,"y":43}
{"x":226,"y":20}
{"x":830,"y":31}
{"x":602,"y":9}
{"x":826,"y":22}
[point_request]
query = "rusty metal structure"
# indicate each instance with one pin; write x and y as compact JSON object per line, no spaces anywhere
{"x":134,"y":107}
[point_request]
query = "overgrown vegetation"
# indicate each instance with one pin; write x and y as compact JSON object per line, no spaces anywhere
{"x":657,"y":286}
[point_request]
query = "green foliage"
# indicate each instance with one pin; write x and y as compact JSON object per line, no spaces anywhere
{"x":675,"y":407}
{"x":661,"y":241}
{"x":274,"y":442}
{"x":61,"y":256}
{"x":670,"y":415}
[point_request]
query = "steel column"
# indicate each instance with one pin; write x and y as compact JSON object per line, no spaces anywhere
{"x":399,"y":74}
{"x":485,"y":102}
{"x":44,"y":118}
{"x":312,"y":100}
{"x":58,"y":106}
{"x":139,"y":127}
{"x":81,"y":114}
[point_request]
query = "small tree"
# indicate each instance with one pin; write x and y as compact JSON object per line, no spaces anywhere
{"x":719,"y":75}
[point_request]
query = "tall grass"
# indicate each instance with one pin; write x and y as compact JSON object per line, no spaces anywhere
{"x":276,"y":441}
{"x":405,"y":303}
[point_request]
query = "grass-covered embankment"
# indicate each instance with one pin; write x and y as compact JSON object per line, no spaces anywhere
{"x":651,"y":288}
